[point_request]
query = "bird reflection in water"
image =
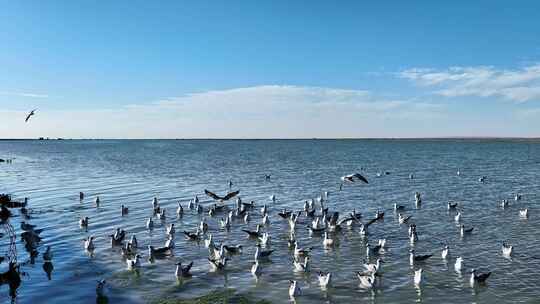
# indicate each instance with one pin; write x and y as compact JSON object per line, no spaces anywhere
{"x":48,"y":268}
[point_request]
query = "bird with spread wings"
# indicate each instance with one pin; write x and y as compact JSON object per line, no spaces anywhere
{"x":222,"y":198}
{"x":29,"y":115}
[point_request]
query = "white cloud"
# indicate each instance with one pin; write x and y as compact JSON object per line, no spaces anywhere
{"x":22,"y":94}
{"x":253,"y":112}
{"x":517,"y":85}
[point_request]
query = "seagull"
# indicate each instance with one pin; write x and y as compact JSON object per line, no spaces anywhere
{"x":81,"y":195}
{"x":382,"y":244}
{"x":418,"y":258}
{"x":374,"y":267}
{"x":225,"y":223}
{"x":127,"y":251}
{"x":96,"y":201}
{"x":233,"y":249}
{"x":363,"y":230}
{"x":375,"y":249}
{"x":417,"y":198}
{"x":218,"y":264}
{"x":273,"y":198}
{"x":183,"y":272}
{"x":209,"y":242}
{"x":294,"y":289}
{"x":507,"y":249}
{"x":264,"y":209}
{"x":124,"y":210}
{"x":89,"y":243}
{"x":285,"y":214}
{"x":203,"y":226}
{"x":301,"y":267}
{"x":457,"y":218}
{"x":325,"y":279}
{"x":445,"y":251}
{"x":298,"y":252}
{"x":478,"y":278}
{"x":402,"y":219}
{"x":48,"y":255}
{"x":464,"y":231}
{"x":398,"y":207}
{"x":118,"y":237}
{"x":482,"y":179}
{"x":134,"y":263}
{"x":262,"y":254}
{"x":83,"y":222}
{"x":265,"y":220}
{"x":504,"y":203}
{"x":328,"y":242}
{"x":265,"y":239}
{"x":458,"y":264}
{"x":161,"y":215}
{"x":517,"y":197}
{"x":216,"y":197}
{"x":524,"y":213}
{"x":179,"y":211}
{"x":100,"y":288}
{"x":254,"y":234}
{"x":150,"y":224}
{"x":193,"y":236}
{"x":171,"y":230}
{"x":366,"y":280}
{"x":418,"y":277}
{"x":217,"y":252}
{"x":354,"y":177}
{"x":133,"y":242}
{"x":30,"y":114}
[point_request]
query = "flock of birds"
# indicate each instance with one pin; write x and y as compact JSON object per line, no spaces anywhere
{"x":321,"y":221}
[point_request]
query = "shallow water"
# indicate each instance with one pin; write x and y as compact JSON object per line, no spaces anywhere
{"x":51,"y":174}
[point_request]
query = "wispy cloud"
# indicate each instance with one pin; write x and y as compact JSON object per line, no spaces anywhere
{"x":24,"y":94}
{"x":518,"y":85}
{"x":252,"y":112}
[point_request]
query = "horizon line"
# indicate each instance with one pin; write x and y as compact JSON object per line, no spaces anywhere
{"x":290,"y":138}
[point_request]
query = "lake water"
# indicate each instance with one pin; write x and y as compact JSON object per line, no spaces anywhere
{"x":131,"y":172}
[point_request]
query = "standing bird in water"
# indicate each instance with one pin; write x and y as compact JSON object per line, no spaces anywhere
{"x":30,"y":115}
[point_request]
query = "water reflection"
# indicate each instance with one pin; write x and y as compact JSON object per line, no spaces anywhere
{"x":48,"y":268}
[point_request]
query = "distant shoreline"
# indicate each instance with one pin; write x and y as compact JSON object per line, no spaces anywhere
{"x":306,"y":139}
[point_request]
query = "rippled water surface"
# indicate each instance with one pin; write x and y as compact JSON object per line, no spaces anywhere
{"x":51,"y":174}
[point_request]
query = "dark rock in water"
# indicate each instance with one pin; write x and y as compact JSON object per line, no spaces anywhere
{"x":11,"y":277}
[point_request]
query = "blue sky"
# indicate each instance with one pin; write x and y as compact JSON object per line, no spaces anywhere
{"x":169,"y":69}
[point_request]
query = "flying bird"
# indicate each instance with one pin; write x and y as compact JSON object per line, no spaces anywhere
{"x":354,"y":177}
{"x":30,"y":114}
{"x":222,"y":198}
